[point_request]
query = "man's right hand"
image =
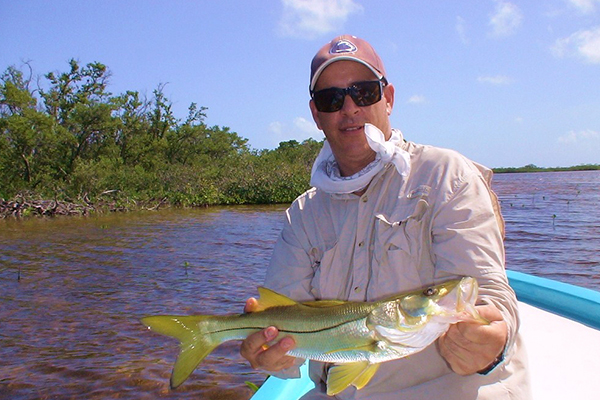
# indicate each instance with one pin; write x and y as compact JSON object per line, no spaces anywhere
{"x":256,"y":350}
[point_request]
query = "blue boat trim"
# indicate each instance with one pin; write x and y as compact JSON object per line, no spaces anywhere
{"x":285,"y":389}
{"x":573,"y":302}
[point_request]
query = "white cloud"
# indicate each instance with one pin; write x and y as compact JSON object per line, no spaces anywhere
{"x":584,"y":6}
{"x":311,"y":18}
{"x":506,"y":19}
{"x":495,"y":80}
{"x":300,"y":130}
{"x":584,"y":44}
{"x":461,"y":29}
{"x":416,"y":99}
{"x":276,"y":128}
{"x":573,"y":137}
{"x":306,"y":128}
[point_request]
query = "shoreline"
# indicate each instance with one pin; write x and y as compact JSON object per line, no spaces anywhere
{"x":535,"y":168}
{"x":21,"y":207}
{"x":27,"y":206}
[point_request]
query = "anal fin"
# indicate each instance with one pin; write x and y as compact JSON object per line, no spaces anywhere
{"x":344,"y":375}
{"x":366,"y":376}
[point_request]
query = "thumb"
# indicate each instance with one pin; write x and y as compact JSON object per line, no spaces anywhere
{"x":251,"y":305}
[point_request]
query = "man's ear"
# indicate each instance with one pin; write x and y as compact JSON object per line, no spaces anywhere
{"x":388,"y":92}
{"x":315,"y":113}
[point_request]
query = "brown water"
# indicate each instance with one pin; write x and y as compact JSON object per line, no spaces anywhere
{"x":553,"y":224}
{"x":69,"y":327}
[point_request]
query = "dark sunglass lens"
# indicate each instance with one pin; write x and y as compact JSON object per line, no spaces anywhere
{"x":366,"y":93}
{"x":362,"y":93}
{"x":329,"y":100}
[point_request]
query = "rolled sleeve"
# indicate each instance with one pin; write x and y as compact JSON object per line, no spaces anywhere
{"x":467,"y":240}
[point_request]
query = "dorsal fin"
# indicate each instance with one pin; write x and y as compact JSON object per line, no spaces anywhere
{"x":269,"y":298}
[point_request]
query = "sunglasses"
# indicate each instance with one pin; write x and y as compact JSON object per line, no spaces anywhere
{"x":362,"y":93}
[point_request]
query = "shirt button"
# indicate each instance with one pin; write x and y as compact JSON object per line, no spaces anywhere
{"x":357,"y":289}
{"x":361,"y":244}
{"x":365,"y":199}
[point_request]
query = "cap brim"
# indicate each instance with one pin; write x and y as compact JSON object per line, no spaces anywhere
{"x":319,"y":70}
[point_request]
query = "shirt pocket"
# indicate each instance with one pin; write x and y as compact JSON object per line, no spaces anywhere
{"x":398,"y":246}
{"x":325,"y":283}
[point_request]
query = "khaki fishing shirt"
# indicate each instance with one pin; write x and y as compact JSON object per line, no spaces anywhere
{"x":441,"y":222}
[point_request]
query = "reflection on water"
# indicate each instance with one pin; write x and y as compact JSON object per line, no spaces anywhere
{"x":69,"y":327}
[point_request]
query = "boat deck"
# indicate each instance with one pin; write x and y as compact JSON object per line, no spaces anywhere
{"x":564,"y":355}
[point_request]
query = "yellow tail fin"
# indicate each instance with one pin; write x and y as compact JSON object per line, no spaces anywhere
{"x":195,"y":343}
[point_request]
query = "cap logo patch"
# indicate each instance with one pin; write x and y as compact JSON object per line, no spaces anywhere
{"x":343,"y":46}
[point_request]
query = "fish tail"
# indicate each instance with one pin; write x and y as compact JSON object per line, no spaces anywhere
{"x":196,"y":341}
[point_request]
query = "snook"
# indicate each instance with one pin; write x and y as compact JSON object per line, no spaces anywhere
{"x":355,"y":336}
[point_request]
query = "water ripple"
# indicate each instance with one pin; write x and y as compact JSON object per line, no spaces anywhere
{"x":70,"y":325}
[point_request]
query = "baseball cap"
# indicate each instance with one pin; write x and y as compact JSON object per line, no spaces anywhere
{"x":345,"y":47}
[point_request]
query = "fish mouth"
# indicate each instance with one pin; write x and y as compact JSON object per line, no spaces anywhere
{"x":459,"y":295}
{"x":468,"y":289}
{"x":466,"y":295}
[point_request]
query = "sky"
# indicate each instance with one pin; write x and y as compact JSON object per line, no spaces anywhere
{"x":506,"y":83}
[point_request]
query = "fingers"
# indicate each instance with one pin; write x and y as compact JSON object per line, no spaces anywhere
{"x":469,"y":347}
{"x":456,"y":356}
{"x":251,"y":305}
{"x":490,"y":312}
{"x":255,"y":348}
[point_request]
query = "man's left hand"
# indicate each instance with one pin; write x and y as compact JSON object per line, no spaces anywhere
{"x":469,"y":347}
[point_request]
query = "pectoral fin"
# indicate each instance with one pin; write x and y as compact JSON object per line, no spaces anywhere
{"x":324,"y":303}
{"x":370,"y":347}
{"x":344,"y":375}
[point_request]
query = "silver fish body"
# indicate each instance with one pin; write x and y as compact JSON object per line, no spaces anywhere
{"x":355,"y":336}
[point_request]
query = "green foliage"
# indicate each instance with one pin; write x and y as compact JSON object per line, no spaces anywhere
{"x":535,"y":168}
{"x":76,"y":140}
{"x":31,"y":143}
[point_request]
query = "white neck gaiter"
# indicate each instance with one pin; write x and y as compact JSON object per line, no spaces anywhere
{"x":326,"y":174}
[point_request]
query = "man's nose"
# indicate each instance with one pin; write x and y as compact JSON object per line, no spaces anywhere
{"x":349,"y":107}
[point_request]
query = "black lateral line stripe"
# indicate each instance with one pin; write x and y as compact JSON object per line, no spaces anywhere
{"x":287,"y":330}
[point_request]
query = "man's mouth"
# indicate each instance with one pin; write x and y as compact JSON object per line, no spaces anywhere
{"x":351,"y":129}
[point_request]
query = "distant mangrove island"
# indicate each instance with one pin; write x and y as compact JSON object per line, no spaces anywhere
{"x":535,"y":168}
{"x":70,"y":147}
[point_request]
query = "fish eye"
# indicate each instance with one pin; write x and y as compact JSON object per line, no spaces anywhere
{"x":430,"y":291}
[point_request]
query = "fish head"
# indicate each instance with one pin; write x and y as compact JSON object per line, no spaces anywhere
{"x":415,"y":320}
{"x":460,"y":296}
{"x":445,"y":302}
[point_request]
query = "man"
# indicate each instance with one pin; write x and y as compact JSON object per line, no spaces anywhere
{"x":387,"y":216}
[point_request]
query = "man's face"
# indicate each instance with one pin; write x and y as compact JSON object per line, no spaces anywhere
{"x":344,"y":129}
